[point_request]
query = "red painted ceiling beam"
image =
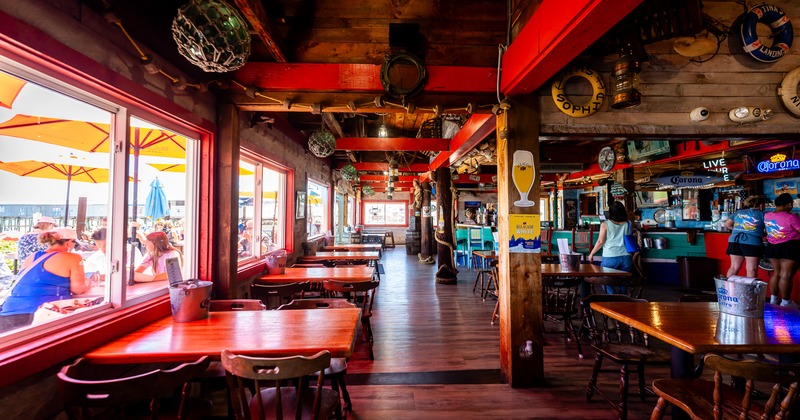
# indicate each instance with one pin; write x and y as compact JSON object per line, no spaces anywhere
{"x":401,"y":178}
{"x":392,"y":144}
{"x":477,"y":128}
{"x":556,"y":33}
{"x":359,"y":77}
{"x":381,"y":166}
{"x":474,"y":179}
{"x":383,"y":184}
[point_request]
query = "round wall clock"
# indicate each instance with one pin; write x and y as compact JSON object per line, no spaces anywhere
{"x":606,"y":159}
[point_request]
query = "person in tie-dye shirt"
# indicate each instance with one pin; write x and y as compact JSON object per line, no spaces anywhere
{"x":745,"y":245}
{"x":783,"y":249}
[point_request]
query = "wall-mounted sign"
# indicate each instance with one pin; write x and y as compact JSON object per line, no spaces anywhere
{"x":777,"y":162}
{"x":524,"y":230}
{"x":718,"y":165}
{"x":680,"y":178}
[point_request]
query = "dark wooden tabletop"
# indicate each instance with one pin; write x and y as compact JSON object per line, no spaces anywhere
{"x":583,"y":270}
{"x":340,"y":256}
{"x":352,"y":273}
{"x":699,"y":327}
{"x":254,"y":333}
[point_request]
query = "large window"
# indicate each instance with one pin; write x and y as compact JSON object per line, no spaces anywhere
{"x":385,"y":213}
{"x":262,"y":208}
{"x":59,"y":169}
{"x":317,"y":220}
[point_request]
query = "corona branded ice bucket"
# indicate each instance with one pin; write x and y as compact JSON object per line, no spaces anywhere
{"x":741,"y":296}
{"x":189,"y":300}
{"x":570,"y":261}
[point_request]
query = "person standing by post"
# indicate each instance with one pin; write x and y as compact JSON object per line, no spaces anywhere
{"x":745,"y":245}
{"x":611,"y":240}
{"x":29,"y":242}
{"x":783,"y":249}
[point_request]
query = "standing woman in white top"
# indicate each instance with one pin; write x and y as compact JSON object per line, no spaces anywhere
{"x":612,"y":239}
{"x":154,"y":265}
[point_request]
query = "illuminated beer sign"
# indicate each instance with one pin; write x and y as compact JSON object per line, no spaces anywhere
{"x":777,"y":162}
{"x":688,"y":178}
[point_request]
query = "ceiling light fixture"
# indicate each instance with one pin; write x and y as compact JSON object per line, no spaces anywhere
{"x":383,"y":131}
{"x":394,"y":172}
{"x":625,"y":80}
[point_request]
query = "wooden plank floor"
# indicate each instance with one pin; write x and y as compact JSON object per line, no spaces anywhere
{"x":437,"y":356}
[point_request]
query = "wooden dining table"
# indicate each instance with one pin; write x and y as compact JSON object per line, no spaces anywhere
{"x":700,"y":327}
{"x":583,"y":270}
{"x":341,"y":256}
{"x":353,"y":247}
{"x":253,"y":333}
{"x":351,"y":273}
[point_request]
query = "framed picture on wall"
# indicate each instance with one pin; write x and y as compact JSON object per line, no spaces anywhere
{"x":300,"y":205}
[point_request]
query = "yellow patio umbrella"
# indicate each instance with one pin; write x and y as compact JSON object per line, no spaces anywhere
{"x":57,"y":171}
{"x":9,"y":89}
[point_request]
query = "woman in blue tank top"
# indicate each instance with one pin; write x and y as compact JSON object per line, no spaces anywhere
{"x":47,"y":276}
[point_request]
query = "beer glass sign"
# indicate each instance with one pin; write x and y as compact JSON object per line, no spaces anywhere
{"x":523,"y":175}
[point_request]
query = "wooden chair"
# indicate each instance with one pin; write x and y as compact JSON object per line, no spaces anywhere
{"x":582,"y":241}
{"x":547,"y":240}
{"x":484,"y":274}
{"x":236,"y":305}
{"x":338,"y":368}
{"x":362,"y":294}
{"x":704,"y":399}
{"x":630,"y":286}
{"x":92,"y":390}
{"x":274,"y":295}
{"x":274,"y":397}
{"x":496,"y":275}
{"x":560,"y":302}
{"x":621,"y":344}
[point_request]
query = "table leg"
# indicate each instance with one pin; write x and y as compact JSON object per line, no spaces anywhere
{"x":681,"y":366}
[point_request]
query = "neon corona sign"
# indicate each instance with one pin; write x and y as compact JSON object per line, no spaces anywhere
{"x":777,"y":162}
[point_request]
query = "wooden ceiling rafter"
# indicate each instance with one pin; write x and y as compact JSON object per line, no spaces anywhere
{"x":392,"y":144}
{"x":253,"y":11}
{"x":475,"y":130}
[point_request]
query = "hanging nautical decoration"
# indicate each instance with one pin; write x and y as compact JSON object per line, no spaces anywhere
{"x":349,"y":172}
{"x":212,"y":35}
{"x":367,"y":190}
{"x":579,"y":110}
{"x":322,"y":143}
{"x":788,"y":91}
{"x":782,"y":33}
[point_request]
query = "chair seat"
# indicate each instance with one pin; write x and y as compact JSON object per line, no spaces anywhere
{"x":329,"y":400}
{"x":632,"y":354}
{"x":696,"y":397}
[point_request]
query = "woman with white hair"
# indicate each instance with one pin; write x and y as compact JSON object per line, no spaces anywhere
{"x":29,"y":242}
{"x":46,"y":276}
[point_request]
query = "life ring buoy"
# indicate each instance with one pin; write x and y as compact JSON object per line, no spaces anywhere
{"x":782,"y":33}
{"x":579,"y":110}
{"x":788,"y":91}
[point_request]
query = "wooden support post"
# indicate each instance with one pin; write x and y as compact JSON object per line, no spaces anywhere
{"x":227,"y":206}
{"x":520,"y":283}
{"x":426,"y":247}
{"x":446,"y":274}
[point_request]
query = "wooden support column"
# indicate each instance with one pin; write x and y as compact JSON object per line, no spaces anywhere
{"x":520,"y":283}
{"x":446,"y":274}
{"x":630,"y":203}
{"x":426,"y":247}
{"x":227,"y":206}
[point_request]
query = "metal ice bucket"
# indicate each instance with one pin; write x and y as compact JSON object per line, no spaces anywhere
{"x":190,"y":300}
{"x":741,"y":299}
{"x":570,"y":261}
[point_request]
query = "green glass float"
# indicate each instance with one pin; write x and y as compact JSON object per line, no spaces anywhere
{"x":212,"y":35}
{"x":322,"y":143}
{"x":367,"y":191}
{"x":349,"y":172}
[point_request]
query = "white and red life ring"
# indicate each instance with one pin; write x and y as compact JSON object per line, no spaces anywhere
{"x":579,"y":110}
{"x":788,"y":91}
{"x":782,"y":33}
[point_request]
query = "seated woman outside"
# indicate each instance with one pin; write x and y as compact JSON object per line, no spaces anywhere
{"x":154,"y":265}
{"x":46,"y":276}
{"x":98,"y":261}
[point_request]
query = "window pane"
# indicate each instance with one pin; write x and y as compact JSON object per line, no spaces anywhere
{"x":395,"y":213}
{"x":247,"y":185}
{"x":158,"y":159}
{"x":261,"y":203}
{"x":374,"y":213}
{"x":53,"y":174}
{"x":273,"y":210}
{"x":317,"y":201}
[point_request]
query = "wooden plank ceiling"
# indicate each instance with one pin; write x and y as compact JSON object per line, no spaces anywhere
{"x":319,"y":62}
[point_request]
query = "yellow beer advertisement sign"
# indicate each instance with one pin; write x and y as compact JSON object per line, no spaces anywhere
{"x":524,"y":230}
